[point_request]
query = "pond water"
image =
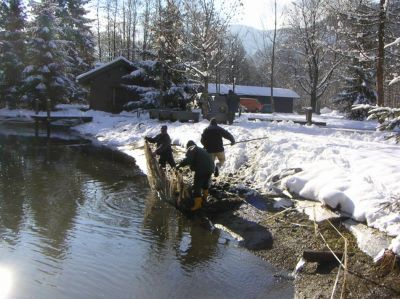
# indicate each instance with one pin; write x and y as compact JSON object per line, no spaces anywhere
{"x":75,"y":224}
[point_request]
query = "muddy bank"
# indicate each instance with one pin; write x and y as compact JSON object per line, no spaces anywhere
{"x":281,"y":234}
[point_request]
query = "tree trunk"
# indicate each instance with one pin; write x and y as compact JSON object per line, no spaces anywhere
{"x":273,"y":64}
{"x":134,"y":25}
{"x":313,"y":99}
{"x":146,"y":29}
{"x":381,"y":54}
{"x":115,"y":30}
{"x":98,"y":30}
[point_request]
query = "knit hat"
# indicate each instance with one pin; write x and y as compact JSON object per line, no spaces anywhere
{"x":190,"y":143}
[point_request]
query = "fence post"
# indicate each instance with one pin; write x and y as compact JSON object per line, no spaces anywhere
{"x":308,"y":115}
{"x":48,"y":103}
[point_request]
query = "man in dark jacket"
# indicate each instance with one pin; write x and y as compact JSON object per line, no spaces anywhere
{"x":211,"y":138}
{"x":233,"y":105}
{"x":203,"y":166}
{"x":164,"y":149}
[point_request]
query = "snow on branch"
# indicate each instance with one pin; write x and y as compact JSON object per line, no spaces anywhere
{"x":396,"y":42}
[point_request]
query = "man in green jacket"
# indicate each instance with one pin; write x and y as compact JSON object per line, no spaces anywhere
{"x":203,"y":166}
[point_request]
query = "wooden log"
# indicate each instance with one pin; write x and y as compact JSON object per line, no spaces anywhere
{"x":321,"y":256}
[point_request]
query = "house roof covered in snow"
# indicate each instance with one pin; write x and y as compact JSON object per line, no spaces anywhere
{"x":253,"y":90}
{"x":119,"y":61}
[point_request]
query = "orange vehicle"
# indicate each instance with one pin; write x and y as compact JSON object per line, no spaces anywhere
{"x":251,"y":105}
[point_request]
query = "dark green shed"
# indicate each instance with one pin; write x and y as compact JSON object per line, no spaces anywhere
{"x":104,"y":83}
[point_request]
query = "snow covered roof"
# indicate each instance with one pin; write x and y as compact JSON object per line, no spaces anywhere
{"x":253,"y":90}
{"x":117,"y":61}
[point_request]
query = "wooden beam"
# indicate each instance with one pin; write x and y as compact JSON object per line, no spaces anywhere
{"x":321,"y":256}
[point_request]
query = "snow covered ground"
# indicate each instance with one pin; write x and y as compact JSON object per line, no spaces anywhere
{"x":346,"y":165}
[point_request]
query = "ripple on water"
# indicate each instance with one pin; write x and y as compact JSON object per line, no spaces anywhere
{"x":83,"y":229}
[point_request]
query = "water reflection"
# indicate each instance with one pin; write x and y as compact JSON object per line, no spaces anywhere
{"x":6,"y":282}
{"x":75,"y":224}
{"x":191,"y":239}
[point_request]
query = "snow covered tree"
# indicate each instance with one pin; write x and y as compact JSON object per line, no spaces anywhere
{"x":359,"y":89}
{"x":168,"y":44}
{"x":81,"y":36}
{"x":234,"y":56}
{"x":363,"y":27}
{"x":205,"y":27}
{"x":167,"y":33}
{"x":45,"y":76}
{"x":3,"y":14}
{"x":79,"y":41}
{"x":393,"y":40}
{"x":396,"y":79}
{"x":12,"y":47}
{"x":147,"y":90}
{"x":357,"y":46}
{"x":388,"y":118}
{"x":311,"y":41}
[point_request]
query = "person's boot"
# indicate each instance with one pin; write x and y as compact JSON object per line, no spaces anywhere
{"x":205,"y":194}
{"x":197,"y":203}
{"x":216,"y":171}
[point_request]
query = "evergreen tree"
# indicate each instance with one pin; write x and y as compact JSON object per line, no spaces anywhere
{"x":151,"y":89}
{"x":363,"y":25}
{"x":359,"y":89}
{"x":3,"y":14}
{"x":81,"y":36}
{"x":11,"y":51}
{"x":168,"y":44}
{"x":388,"y":118}
{"x":45,"y":75}
{"x":357,"y":44}
{"x":79,"y":41}
{"x":168,"y":32}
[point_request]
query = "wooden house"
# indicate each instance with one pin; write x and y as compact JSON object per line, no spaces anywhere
{"x":104,"y":83}
{"x":283,"y":98}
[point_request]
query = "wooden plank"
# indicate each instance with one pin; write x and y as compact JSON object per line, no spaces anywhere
{"x":318,"y":123}
{"x":55,"y":118}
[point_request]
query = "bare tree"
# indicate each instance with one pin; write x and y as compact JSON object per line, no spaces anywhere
{"x":235,"y":60}
{"x":206,"y":26}
{"x":313,"y":61}
{"x":146,"y":28}
{"x":131,"y":28}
